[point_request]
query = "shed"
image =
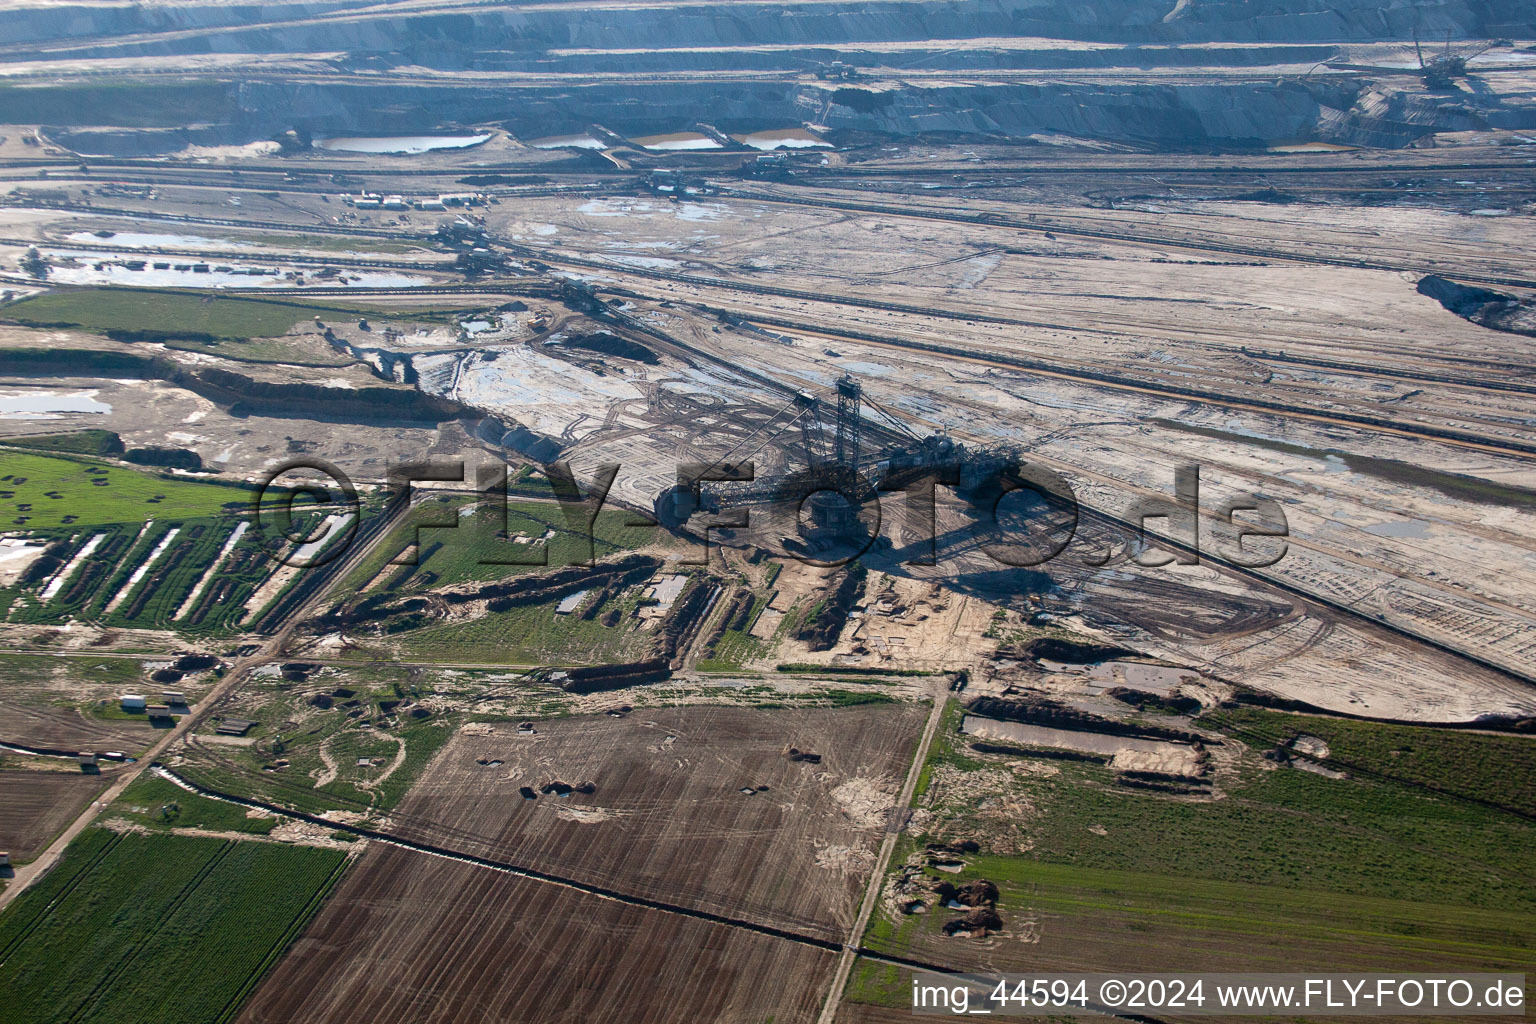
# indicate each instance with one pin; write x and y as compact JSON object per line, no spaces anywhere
{"x":133,"y":702}
{"x":5,"y":859}
{"x":173,"y":696}
{"x":158,"y":710}
{"x":234,"y":727}
{"x":87,"y":759}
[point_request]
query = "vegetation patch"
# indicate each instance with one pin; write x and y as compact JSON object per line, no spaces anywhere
{"x":134,"y":929}
{"x":319,"y":746}
{"x":79,"y":442}
{"x":155,"y":802}
{"x":449,"y":544}
{"x":40,"y":491}
{"x":193,"y":316}
{"x":1412,"y":853}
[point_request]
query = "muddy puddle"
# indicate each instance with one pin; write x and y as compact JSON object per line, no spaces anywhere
{"x":567,"y":142}
{"x":677,"y":141}
{"x":400,"y":144}
{"x":48,"y":403}
{"x":783,"y":138}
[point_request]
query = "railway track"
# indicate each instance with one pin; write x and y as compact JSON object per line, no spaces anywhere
{"x":1112,"y":170}
{"x":1099,"y":377}
{"x":1105,"y":378}
{"x":1400,"y":372}
{"x":1518,"y":449}
{"x":246,"y":256}
{"x":1371,"y":620}
{"x":1054,"y":227}
{"x":226,"y":222}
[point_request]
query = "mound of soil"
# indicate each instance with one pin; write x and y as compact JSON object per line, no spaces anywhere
{"x":613,"y":345}
{"x":1491,"y":309}
{"x":1141,"y":700}
{"x":167,"y":458}
{"x":977,"y":893}
{"x":735,"y":617}
{"x":597,"y":678}
{"x":978,"y":922}
{"x":1037,"y":710}
{"x":983,"y":747}
{"x":956,"y":846}
{"x":684,"y":622}
{"x":821,"y":630}
{"x":1072,"y":652}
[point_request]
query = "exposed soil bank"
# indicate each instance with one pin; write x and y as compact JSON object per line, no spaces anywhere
{"x":243,"y":395}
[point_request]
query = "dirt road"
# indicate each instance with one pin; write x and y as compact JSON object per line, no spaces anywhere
{"x":883,"y":860}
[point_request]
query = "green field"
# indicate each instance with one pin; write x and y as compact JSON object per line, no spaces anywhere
{"x":1418,"y":859}
{"x":456,"y":548}
{"x":78,"y":442}
{"x":104,"y":523}
{"x":145,"y":309}
{"x":736,"y":647}
{"x":40,"y":672}
{"x":530,"y":635}
{"x":1093,"y":919}
{"x":1498,"y":770}
{"x":82,"y":492}
{"x":157,"y":803}
{"x":297,"y":745}
{"x":133,"y":929}
{"x":1380,"y":833}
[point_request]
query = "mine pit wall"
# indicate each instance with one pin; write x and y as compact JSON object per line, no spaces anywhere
{"x":703,"y":38}
{"x":243,"y":395}
{"x":1177,"y":116}
{"x":466,"y":38}
{"x":390,"y":366}
{"x":616,"y":677}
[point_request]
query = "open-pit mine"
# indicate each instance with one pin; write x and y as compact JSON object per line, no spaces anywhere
{"x":684,"y":511}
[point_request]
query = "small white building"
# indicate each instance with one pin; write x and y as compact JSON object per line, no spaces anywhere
{"x":87,"y":759}
{"x":133,"y":702}
{"x":5,"y":859}
{"x":158,"y":710}
{"x":173,"y":696}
